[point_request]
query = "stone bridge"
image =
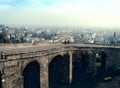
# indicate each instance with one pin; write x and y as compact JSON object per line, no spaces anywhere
{"x":53,"y":66}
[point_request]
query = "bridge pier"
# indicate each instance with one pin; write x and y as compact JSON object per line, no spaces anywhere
{"x":21,"y":80}
{"x":44,"y":75}
{"x":70,"y":68}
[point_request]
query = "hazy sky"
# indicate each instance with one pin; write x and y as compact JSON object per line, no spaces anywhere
{"x":105,"y":13}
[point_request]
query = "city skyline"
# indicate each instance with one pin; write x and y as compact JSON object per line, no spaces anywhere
{"x":102,"y":13}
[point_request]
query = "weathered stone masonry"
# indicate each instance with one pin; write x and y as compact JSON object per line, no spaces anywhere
{"x":12,"y":65}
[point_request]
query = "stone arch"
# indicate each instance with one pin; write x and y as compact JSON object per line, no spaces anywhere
{"x":25,"y":62}
{"x":83,"y":64}
{"x":57,"y":69}
{"x":51,"y":57}
{"x":0,"y":79}
{"x":80,"y":63}
{"x":31,"y":75}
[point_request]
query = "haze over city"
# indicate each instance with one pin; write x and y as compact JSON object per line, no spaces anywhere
{"x":101,"y":13}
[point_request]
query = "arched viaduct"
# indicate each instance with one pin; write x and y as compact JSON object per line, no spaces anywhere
{"x":53,"y":66}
